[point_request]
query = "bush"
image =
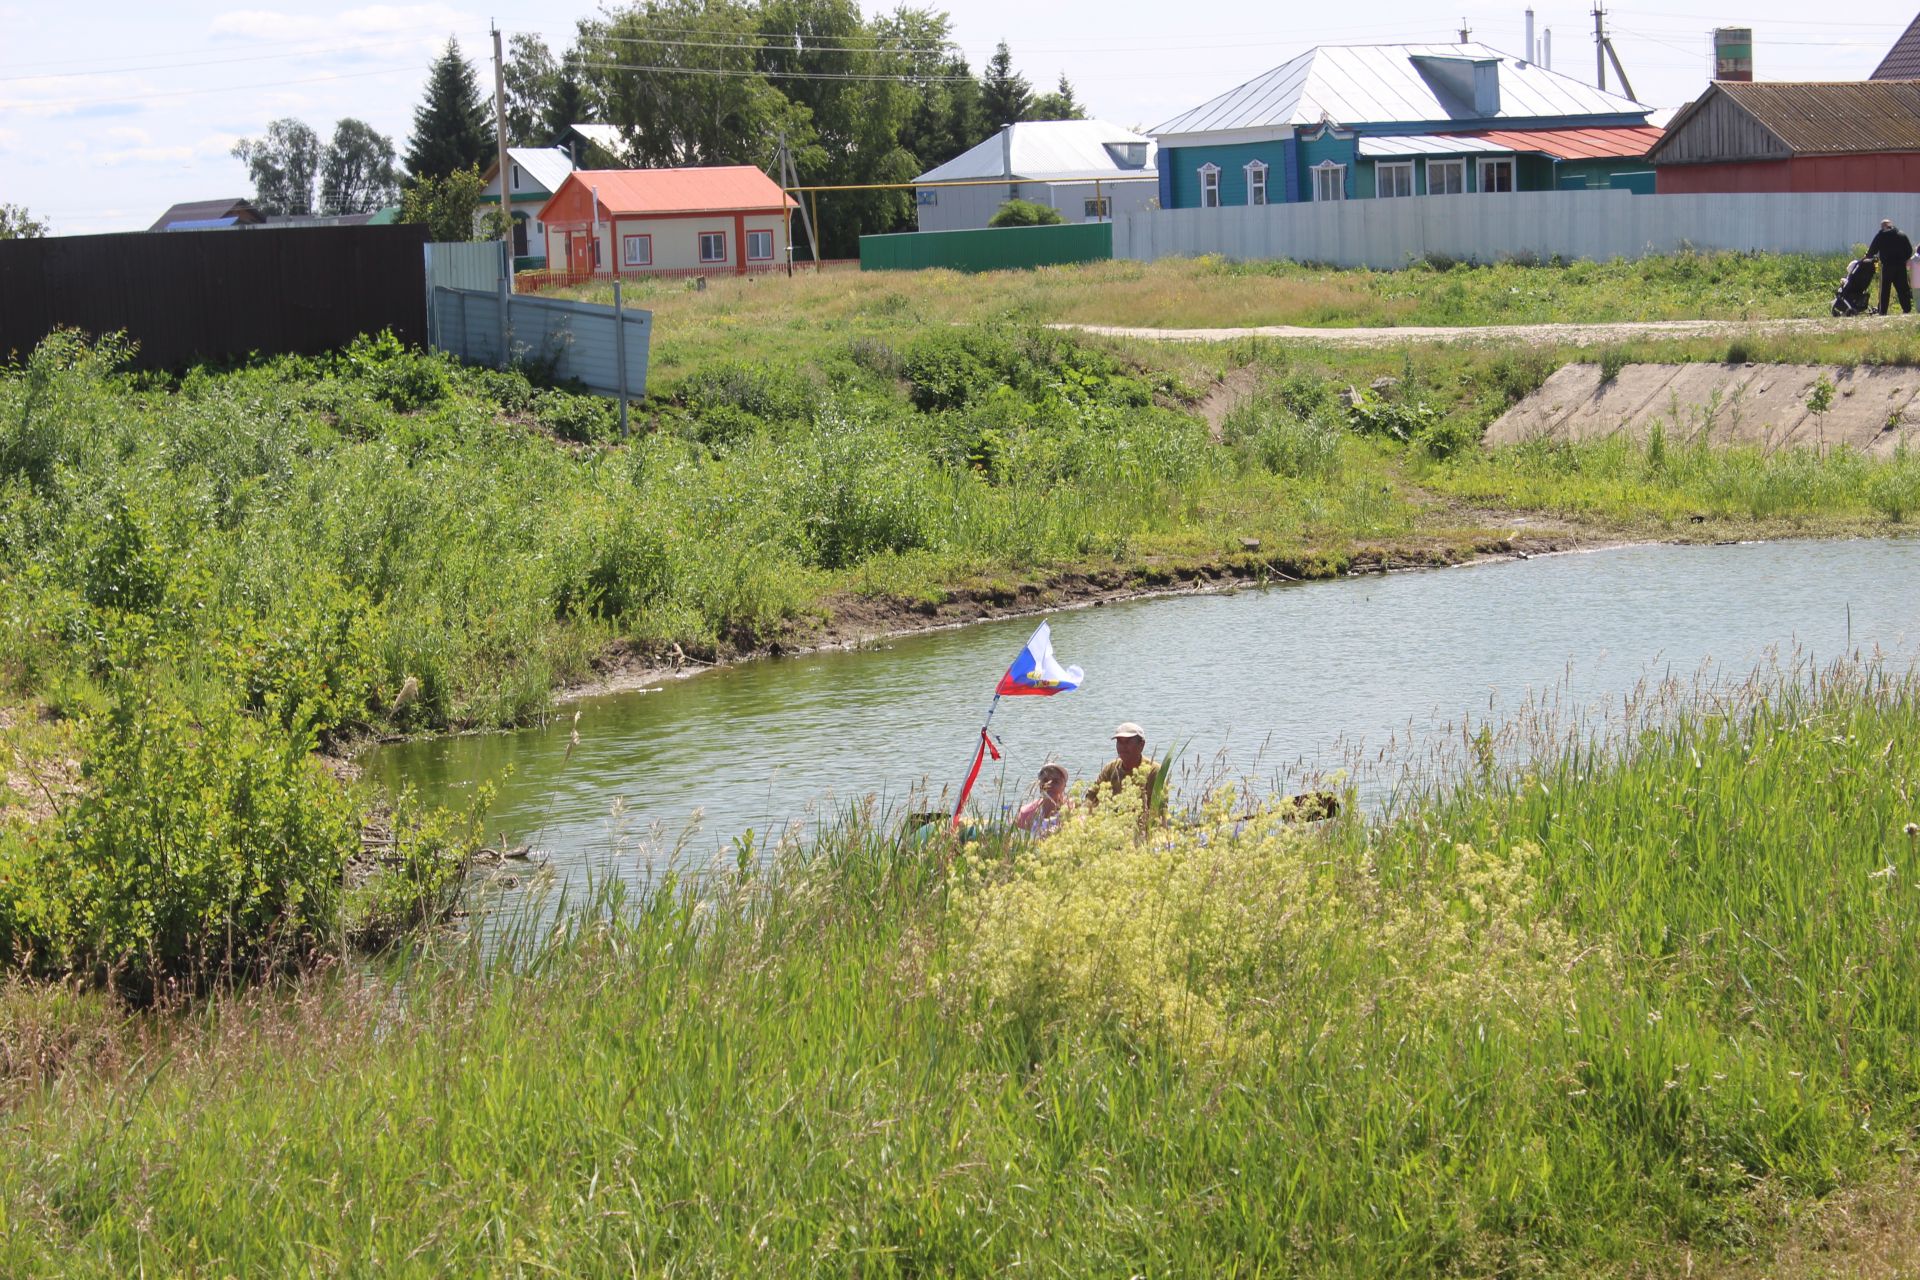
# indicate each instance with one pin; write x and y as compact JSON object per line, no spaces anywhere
{"x":1025,"y":213}
{"x":580,"y":419}
{"x":405,"y":378}
{"x":203,"y":844}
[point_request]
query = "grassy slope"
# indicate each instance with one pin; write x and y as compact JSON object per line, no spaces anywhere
{"x":778,"y":317}
{"x":1600,"y":1017}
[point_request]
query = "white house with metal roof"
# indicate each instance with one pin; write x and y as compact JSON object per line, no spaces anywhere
{"x":1089,"y":170}
{"x":1343,"y":122}
{"x":533,"y":175}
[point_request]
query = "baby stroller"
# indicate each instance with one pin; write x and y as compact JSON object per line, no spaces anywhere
{"x":1851,"y":300}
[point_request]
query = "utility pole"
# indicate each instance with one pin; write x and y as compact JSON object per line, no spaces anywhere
{"x":1600,"y":47}
{"x":1465,"y":30}
{"x":500,"y":144}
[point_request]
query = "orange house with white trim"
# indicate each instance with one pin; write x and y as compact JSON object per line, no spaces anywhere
{"x":632,"y":222}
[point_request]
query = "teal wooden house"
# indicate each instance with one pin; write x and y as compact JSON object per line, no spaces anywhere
{"x":1370,"y":122}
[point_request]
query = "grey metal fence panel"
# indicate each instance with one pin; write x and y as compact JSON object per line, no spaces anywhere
{"x":576,"y":337}
{"x":1599,"y":225}
{"x":475,"y":265}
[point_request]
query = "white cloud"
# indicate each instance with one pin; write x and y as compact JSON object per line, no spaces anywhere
{"x":432,"y":22}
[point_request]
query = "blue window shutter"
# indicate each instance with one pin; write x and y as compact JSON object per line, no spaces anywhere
{"x":1167,"y":161}
{"x":1291,"y":153}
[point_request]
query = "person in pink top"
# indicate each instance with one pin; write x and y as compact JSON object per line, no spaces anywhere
{"x":1043,"y":813}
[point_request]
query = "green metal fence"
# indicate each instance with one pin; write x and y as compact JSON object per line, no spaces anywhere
{"x":992,"y":249}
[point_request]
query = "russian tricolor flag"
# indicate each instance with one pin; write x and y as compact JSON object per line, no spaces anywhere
{"x":1036,"y":672}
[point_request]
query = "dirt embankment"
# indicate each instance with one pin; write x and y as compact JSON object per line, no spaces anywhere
{"x":850,"y":621}
{"x":1868,"y":409}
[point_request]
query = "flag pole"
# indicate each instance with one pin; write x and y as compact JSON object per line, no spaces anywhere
{"x":986,"y":742}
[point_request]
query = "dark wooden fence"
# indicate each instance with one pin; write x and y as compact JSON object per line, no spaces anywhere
{"x":204,"y":295}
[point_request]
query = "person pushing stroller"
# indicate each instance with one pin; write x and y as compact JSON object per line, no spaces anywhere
{"x":1892,"y":249}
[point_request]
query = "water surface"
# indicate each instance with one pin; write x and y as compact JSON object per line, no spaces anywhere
{"x":1274,"y":682}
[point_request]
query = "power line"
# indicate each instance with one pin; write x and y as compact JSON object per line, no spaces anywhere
{"x":30,"y":104}
{"x":185,"y":53}
{"x":209,"y":62}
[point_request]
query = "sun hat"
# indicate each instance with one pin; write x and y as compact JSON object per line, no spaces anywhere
{"x":1128,"y":729}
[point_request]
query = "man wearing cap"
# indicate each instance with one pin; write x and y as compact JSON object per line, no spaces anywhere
{"x":1130,"y":745}
{"x":1891,"y":250}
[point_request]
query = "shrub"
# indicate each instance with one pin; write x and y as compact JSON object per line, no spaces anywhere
{"x":581,"y":419}
{"x":1025,"y":213}
{"x":772,"y":393}
{"x":406,"y":378}
{"x":1221,"y":935}
{"x":203,"y":844}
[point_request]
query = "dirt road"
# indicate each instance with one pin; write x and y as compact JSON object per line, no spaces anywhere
{"x":1534,"y":334}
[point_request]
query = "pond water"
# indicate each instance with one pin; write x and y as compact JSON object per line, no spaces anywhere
{"x":1273,"y":684}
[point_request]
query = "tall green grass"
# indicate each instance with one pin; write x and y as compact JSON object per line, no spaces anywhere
{"x":1622,"y":1003}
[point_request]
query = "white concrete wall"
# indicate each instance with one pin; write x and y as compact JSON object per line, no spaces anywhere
{"x":1599,"y":225}
{"x":971,"y":208}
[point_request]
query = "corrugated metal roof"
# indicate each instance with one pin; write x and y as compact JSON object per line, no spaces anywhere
{"x":206,"y":211}
{"x":1620,"y":142}
{"x":1426,"y":144}
{"x":713,"y":189}
{"x":603,"y":136}
{"x":1846,"y":117}
{"x":1047,"y":149}
{"x":1381,"y":84}
{"x":1903,"y":60}
{"x":548,"y":166}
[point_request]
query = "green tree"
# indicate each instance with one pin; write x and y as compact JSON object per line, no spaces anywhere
{"x":532,"y":78}
{"x":682,"y":81}
{"x":282,"y":165}
{"x":1005,"y":96}
{"x":1025,"y":213}
{"x":452,"y":128}
{"x":945,"y":118}
{"x":17,"y":224}
{"x":566,"y":106}
{"x":450,"y":206}
{"x":1058,"y":105}
{"x":357,"y":173}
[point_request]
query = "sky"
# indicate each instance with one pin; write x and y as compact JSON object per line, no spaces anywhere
{"x":112,"y":110}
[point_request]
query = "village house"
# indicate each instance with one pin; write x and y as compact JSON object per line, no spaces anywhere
{"x":1757,"y":136}
{"x":730,"y":218}
{"x":1069,"y":165}
{"x":533,"y":175}
{"x":1368,"y":122}
{"x":209,"y":215}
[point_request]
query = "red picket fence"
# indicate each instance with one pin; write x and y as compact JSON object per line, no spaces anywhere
{"x":542,"y":281}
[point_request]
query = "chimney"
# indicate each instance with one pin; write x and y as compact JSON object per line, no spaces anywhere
{"x":1531,"y":54}
{"x":1546,"y":49}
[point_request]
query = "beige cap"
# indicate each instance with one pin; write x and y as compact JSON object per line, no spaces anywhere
{"x":1130,"y":730}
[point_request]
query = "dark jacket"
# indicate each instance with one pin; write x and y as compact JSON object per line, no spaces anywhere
{"x":1890,"y":247}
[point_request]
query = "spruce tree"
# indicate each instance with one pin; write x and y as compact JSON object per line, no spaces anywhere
{"x":1005,"y":96}
{"x":566,"y":103}
{"x":452,"y":127}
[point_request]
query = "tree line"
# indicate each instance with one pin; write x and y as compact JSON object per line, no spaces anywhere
{"x":856,"y":99}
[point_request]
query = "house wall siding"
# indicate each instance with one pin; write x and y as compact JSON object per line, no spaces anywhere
{"x":1315,"y":151}
{"x":1889,"y":172}
{"x":1184,"y":171}
{"x":1720,"y":130}
{"x":676,"y":242}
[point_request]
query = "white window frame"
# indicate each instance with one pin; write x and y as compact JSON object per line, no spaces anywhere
{"x":719,"y":238}
{"x":1486,"y":163}
{"x":1257,"y":182}
{"x":1381,"y":168}
{"x":1329,"y":169}
{"x":627,"y":245}
{"x":1209,"y":186}
{"x":1097,"y":210}
{"x":759,"y":257}
{"x":1458,"y":165}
